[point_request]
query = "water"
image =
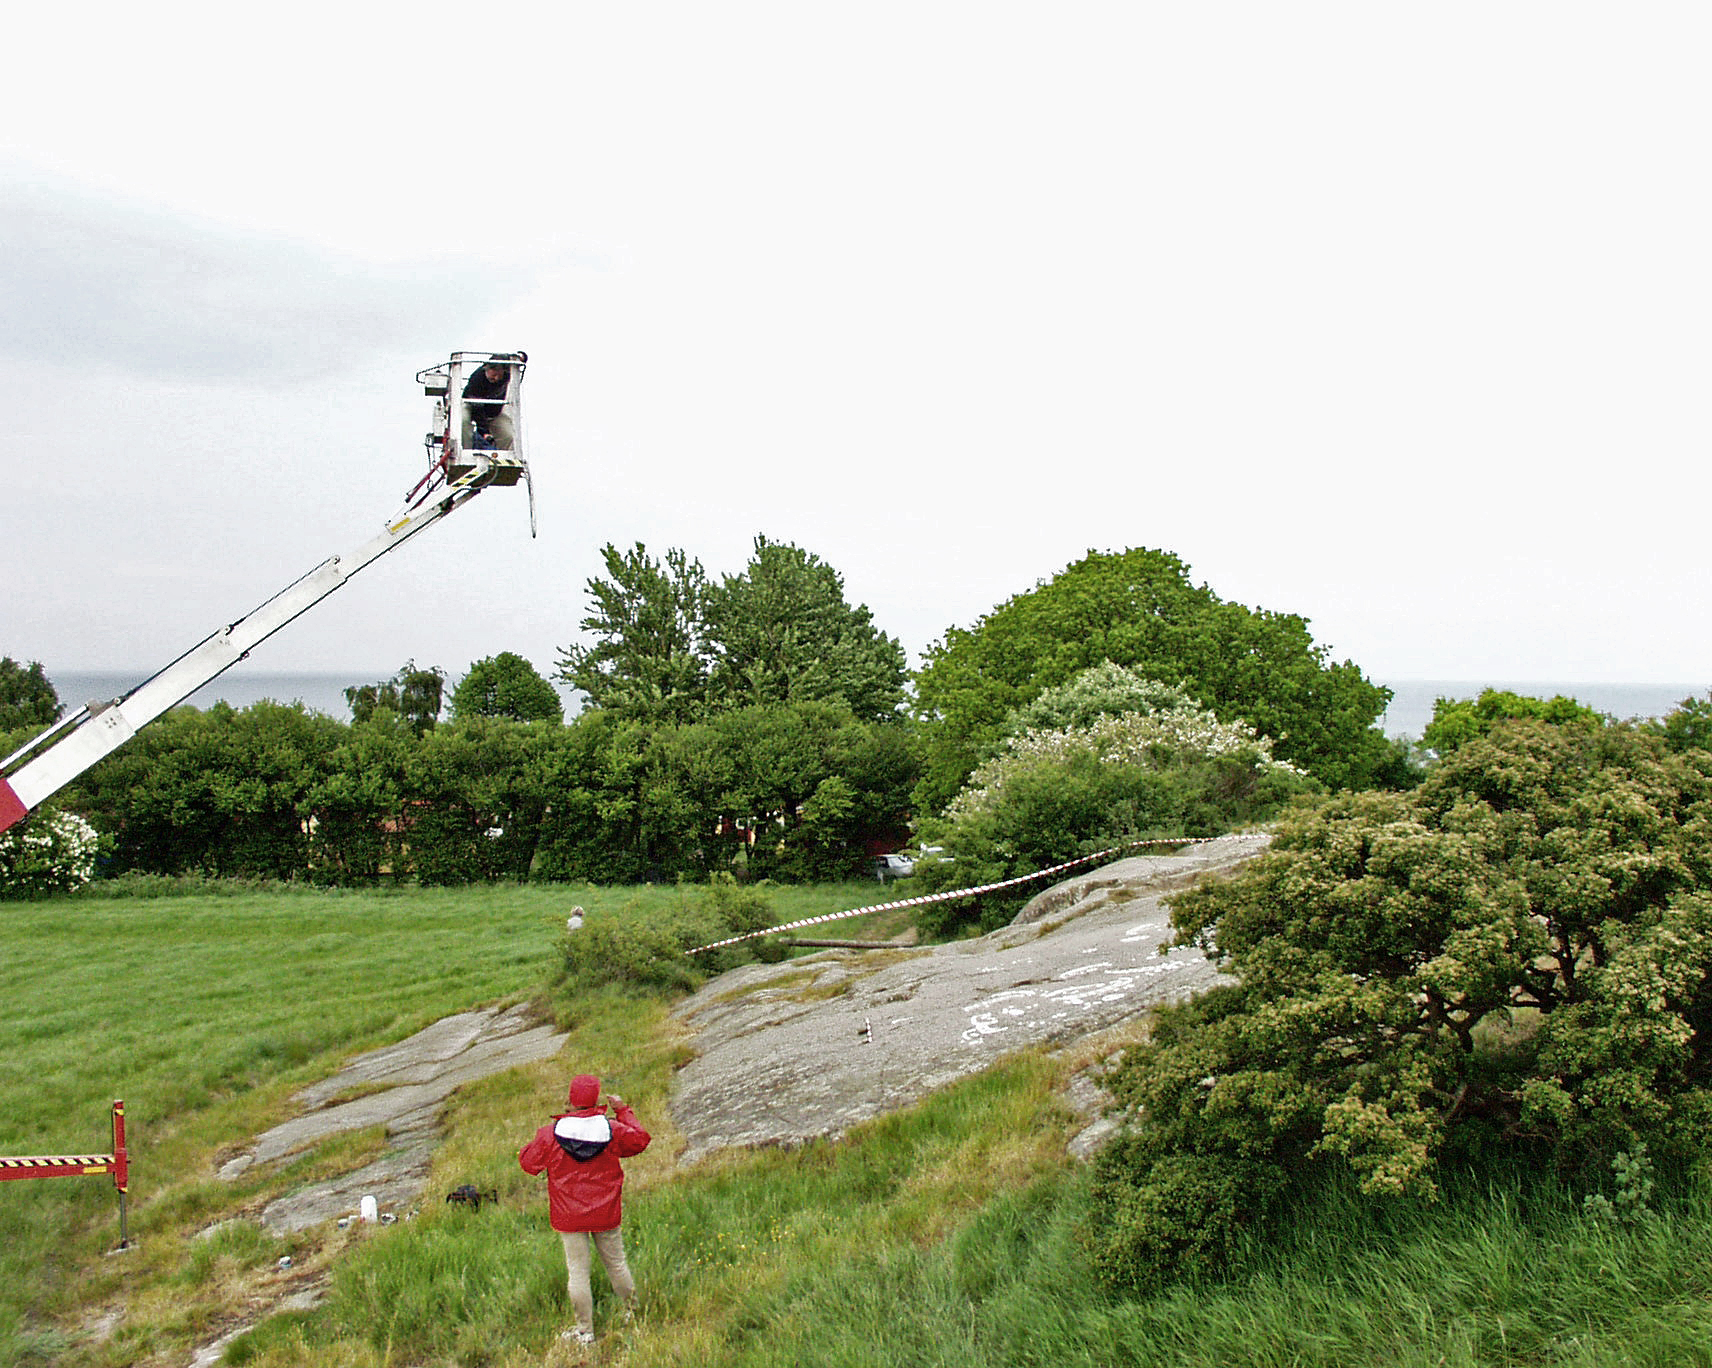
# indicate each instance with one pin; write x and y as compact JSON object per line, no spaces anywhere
{"x":1410,"y":711}
{"x":322,"y":693}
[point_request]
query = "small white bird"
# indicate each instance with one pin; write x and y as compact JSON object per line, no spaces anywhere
{"x":575,"y":920}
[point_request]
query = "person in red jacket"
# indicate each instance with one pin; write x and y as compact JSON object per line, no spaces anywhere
{"x":579,"y":1150}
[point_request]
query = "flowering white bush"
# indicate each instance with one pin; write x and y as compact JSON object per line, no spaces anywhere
{"x":1180,"y":730}
{"x":50,"y":852}
{"x":1104,"y":690}
{"x":1107,"y":756}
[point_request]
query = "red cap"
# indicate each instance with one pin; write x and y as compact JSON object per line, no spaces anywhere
{"x":585,"y":1091}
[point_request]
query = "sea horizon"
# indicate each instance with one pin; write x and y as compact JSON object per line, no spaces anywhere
{"x":1409,"y":712}
{"x":321,"y":691}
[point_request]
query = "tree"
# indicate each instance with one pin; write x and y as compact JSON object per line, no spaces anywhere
{"x":27,"y":699}
{"x":506,"y":685}
{"x":1513,"y":959}
{"x":413,"y":694}
{"x":358,"y":803}
{"x":1458,"y":720}
{"x":809,"y":781}
{"x":599,"y":827}
{"x":1138,"y":609}
{"x":1689,"y":727}
{"x":649,"y":659}
{"x":783,"y":633}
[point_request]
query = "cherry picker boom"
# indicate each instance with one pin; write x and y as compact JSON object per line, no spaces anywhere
{"x":477,"y":441}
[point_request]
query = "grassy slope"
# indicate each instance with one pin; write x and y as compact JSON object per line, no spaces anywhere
{"x":205,"y":1014}
{"x":942,"y":1236}
{"x":947,"y":1236}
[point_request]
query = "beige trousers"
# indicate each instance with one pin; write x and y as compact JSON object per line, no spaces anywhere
{"x":610,"y":1243}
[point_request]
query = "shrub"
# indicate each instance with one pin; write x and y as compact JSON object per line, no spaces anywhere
{"x":738,"y":908}
{"x":1185,"y":1222}
{"x":654,"y":956}
{"x":645,"y":957}
{"x":1514,"y":959}
{"x":1164,"y":767}
{"x":49,"y":852}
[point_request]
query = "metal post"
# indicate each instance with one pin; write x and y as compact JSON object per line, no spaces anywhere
{"x":121,"y":1170}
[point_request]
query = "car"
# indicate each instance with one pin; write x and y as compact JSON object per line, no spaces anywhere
{"x":896,"y":866}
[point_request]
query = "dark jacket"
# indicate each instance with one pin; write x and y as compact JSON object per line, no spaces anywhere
{"x":480,"y":387}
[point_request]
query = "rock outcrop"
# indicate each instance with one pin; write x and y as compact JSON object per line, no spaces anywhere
{"x":789,"y":1052}
{"x":402,"y":1087}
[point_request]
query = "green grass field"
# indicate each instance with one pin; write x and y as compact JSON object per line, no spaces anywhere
{"x":946,"y":1235}
{"x":205,"y":1013}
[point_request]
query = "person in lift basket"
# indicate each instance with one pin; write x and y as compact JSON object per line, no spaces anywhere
{"x":484,"y":397}
{"x":579,"y":1150}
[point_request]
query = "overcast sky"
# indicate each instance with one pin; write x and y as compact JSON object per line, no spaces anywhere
{"x":1395,"y":317}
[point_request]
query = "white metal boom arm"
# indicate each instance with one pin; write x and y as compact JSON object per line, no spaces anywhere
{"x":69,"y":747}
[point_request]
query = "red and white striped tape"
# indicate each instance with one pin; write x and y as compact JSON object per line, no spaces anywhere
{"x":952,"y":894}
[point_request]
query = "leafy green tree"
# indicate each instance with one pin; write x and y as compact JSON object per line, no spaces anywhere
{"x":1689,"y":726}
{"x":27,"y":698}
{"x":414,"y":694}
{"x":1513,"y":959}
{"x":621,"y":808}
{"x":781,"y":754}
{"x":693,"y":787}
{"x":880,"y":762}
{"x":649,"y":657}
{"x":506,"y":685}
{"x":814,"y":783}
{"x":597,"y":827}
{"x":808,"y":781}
{"x":783,"y":633}
{"x":1456,"y":721}
{"x":1138,"y":609}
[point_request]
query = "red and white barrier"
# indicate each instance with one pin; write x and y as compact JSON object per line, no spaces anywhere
{"x":117,"y":1163}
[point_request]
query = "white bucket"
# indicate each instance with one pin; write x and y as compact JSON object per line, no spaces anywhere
{"x":370,"y":1209}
